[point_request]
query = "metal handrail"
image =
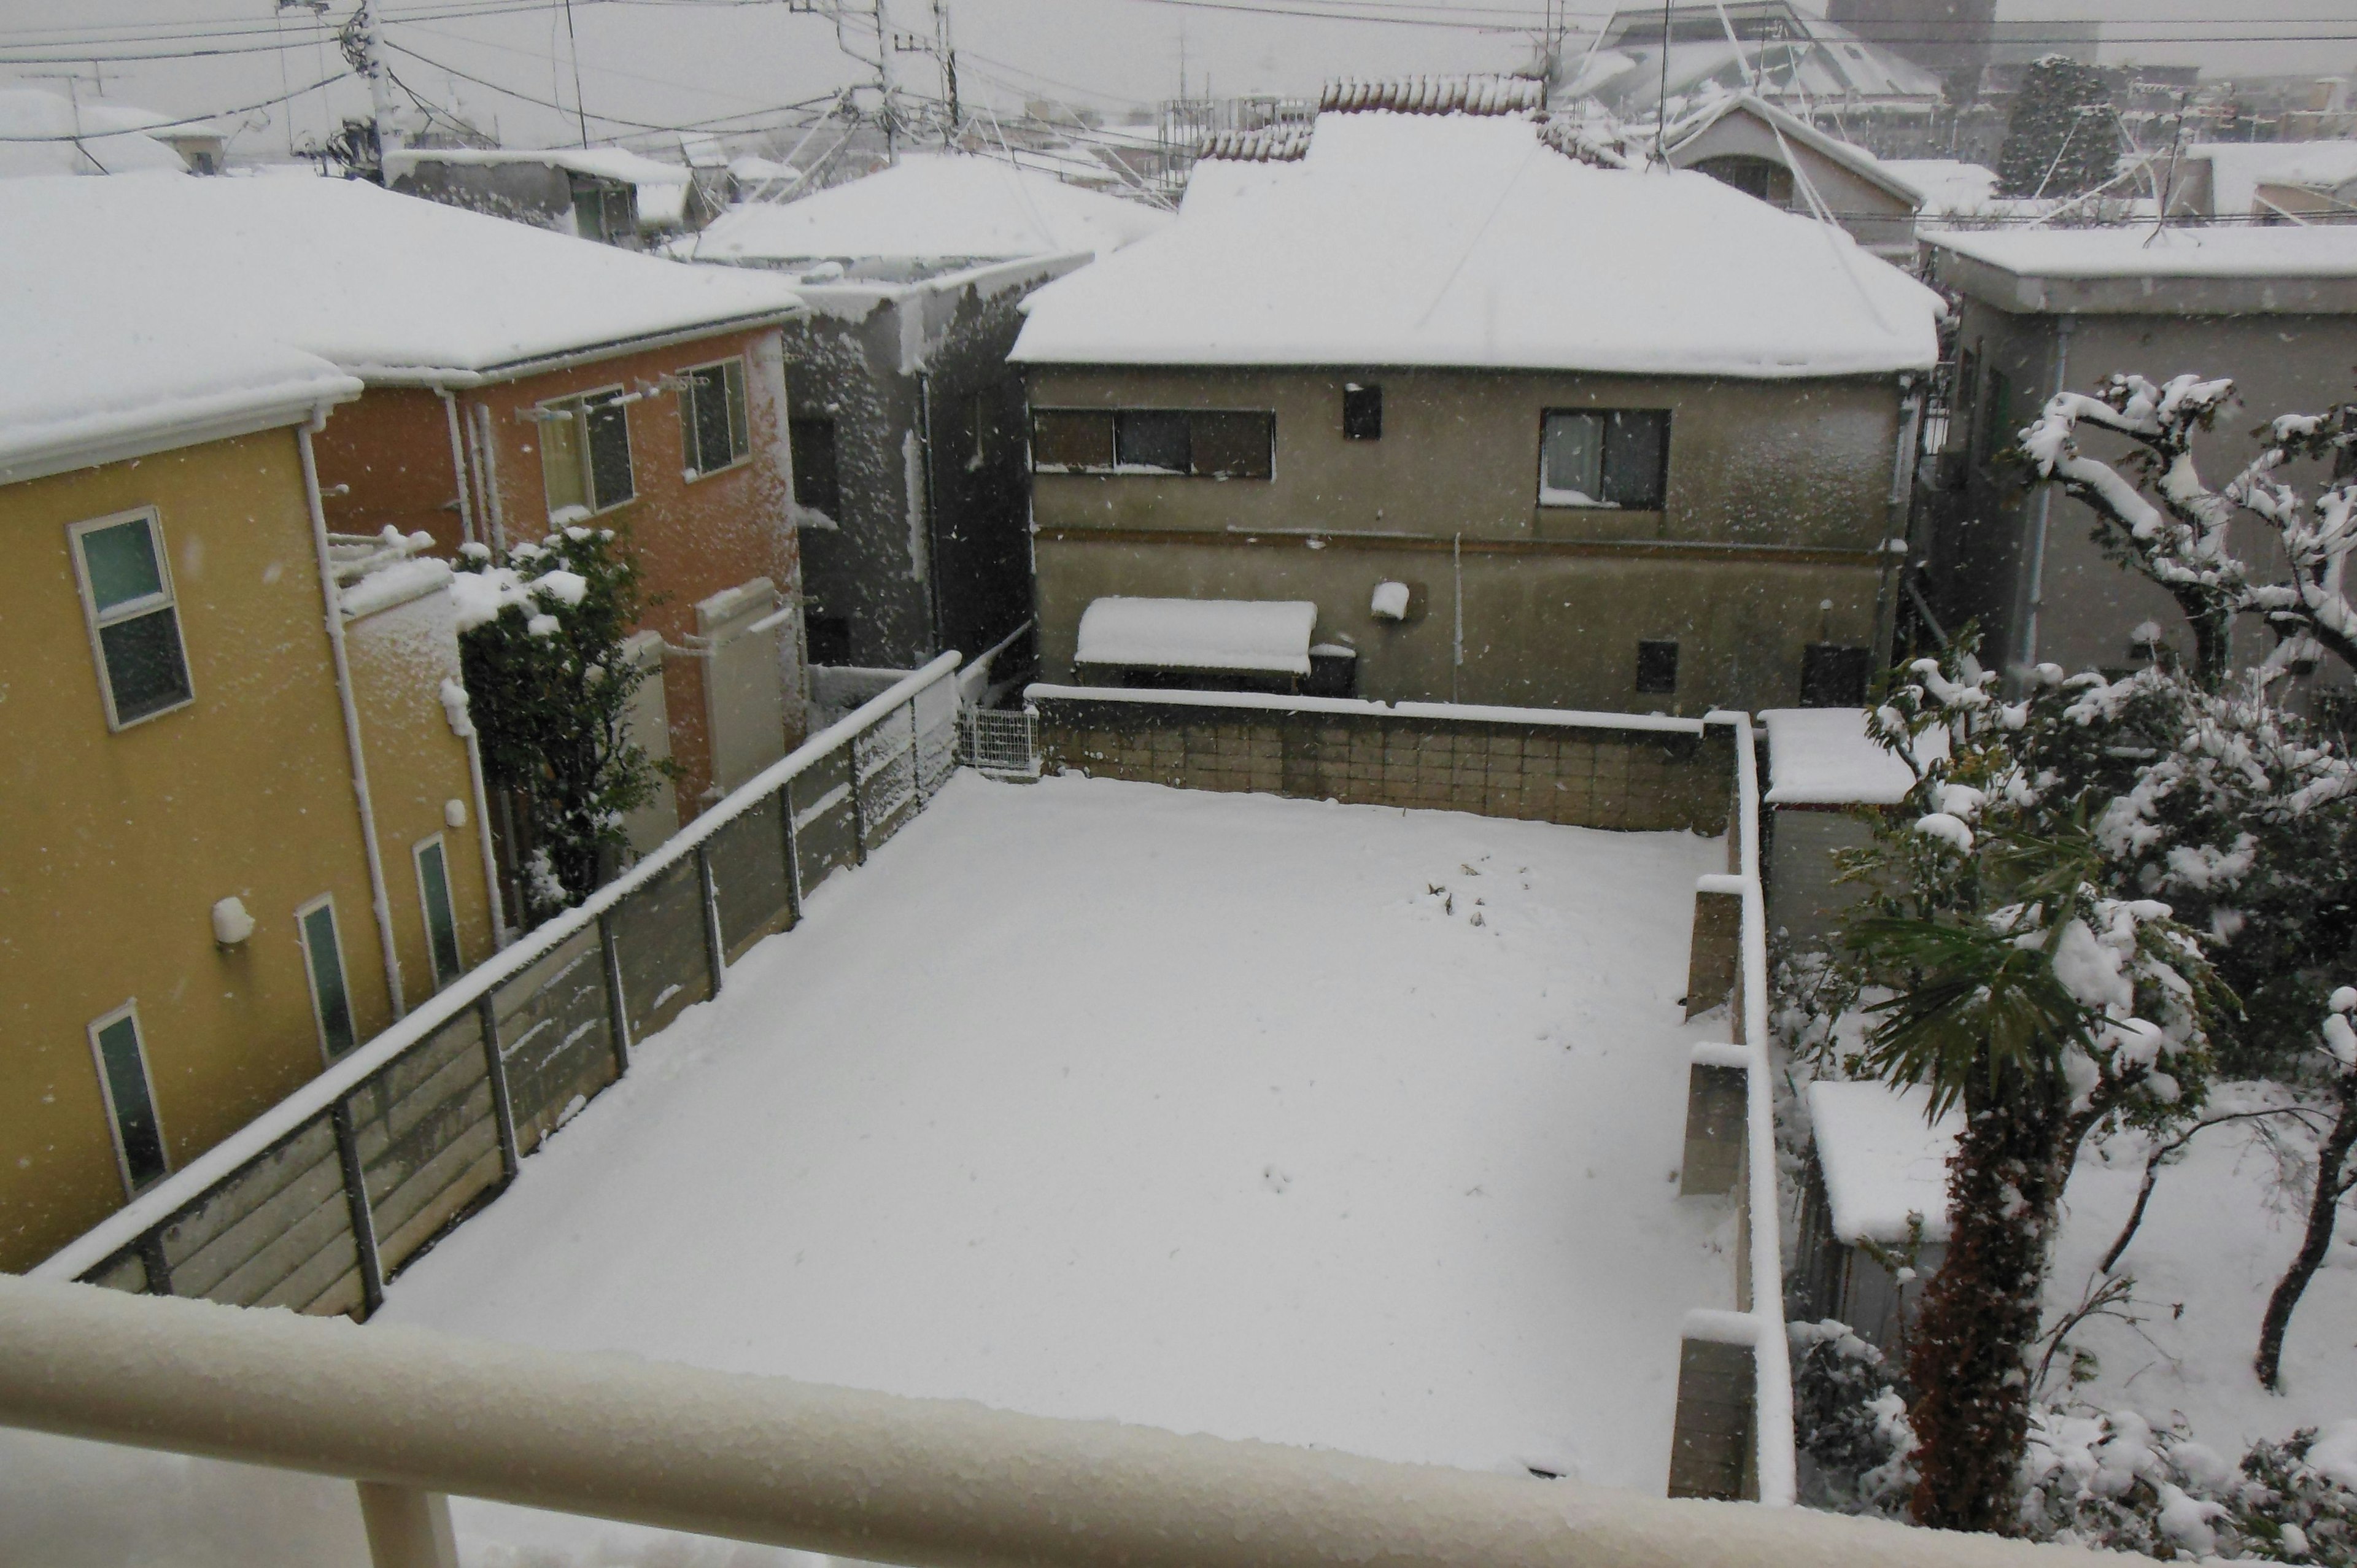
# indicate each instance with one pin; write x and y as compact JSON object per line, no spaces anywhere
{"x":159,"y":1203}
{"x":935,"y":1483}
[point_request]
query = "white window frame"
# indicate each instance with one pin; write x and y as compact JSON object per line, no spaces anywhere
{"x":96,"y":1028}
{"x":426,"y":910}
{"x":303,"y":911}
{"x":575,"y":405}
{"x":688,"y":469}
{"x":93,"y":620}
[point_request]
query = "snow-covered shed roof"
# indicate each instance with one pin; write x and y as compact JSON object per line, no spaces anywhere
{"x":99,"y":375}
{"x":1822,"y":756}
{"x":1464,"y":241}
{"x":45,"y":133}
{"x":1946,"y":186}
{"x":2284,"y":251}
{"x":618,"y":164}
{"x":1267,"y":635}
{"x":2237,"y":170}
{"x":389,"y":288}
{"x":1882,"y":1159}
{"x":930,"y":206}
{"x":1799,"y":132}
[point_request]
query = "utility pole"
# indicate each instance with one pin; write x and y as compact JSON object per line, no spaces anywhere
{"x":948,"y":54}
{"x":380,"y":80}
{"x":884,"y":82}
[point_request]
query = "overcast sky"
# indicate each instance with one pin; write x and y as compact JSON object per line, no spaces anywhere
{"x":671,"y":62}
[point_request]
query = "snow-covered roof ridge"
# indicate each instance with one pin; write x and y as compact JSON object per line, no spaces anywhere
{"x":929,"y":206}
{"x":1460,"y":241}
{"x":2317,"y":250}
{"x":1429,"y":94}
{"x":1848,"y":154}
{"x":387,"y":287}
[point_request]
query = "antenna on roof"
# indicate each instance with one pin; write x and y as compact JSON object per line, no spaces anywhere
{"x":1661,"y":102}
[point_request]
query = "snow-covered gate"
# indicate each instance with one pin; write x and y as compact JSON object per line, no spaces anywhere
{"x":317,"y":1202}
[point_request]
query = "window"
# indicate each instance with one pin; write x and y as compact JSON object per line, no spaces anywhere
{"x":441,"y":918}
{"x":1611,"y":457}
{"x":323,"y":961}
{"x":1219,"y":444}
{"x":816,"y":484}
{"x":584,"y":454}
{"x":1996,"y":432}
{"x":828,"y":639}
{"x":1657,"y":667}
{"x":1832,"y":676}
{"x":130,"y":1097}
{"x":712,"y":417}
{"x":134,"y":625}
{"x":1362,"y":413}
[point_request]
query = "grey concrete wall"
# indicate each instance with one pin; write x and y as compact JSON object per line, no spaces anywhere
{"x":1979,"y":538}
{"x":1804,"y":903}
{"x":1580,"y":775}
{"x":1777,"y":496}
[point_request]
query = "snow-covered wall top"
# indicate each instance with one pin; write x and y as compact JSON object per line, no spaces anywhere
{"x":930,"y":205}
{"x":1462,"y":240}
{"x":1821,"y":756}
{"x":1883,"y":1160}
{"x":385,"y":286}
{"x":2322,"y":250}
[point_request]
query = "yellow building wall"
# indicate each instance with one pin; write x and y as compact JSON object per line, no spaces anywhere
{"x":114,"y":845}
{"x":417,"y":770}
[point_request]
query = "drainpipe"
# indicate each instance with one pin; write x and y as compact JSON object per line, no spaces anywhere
{"x":933,"y":513}
{"x":458,"y":466}
{"x":2028,"y":659}
{"x":378,"y":900}
{"x":487,"y":455}
{"x":1456,"y":635}
{"x":1899,"y":532}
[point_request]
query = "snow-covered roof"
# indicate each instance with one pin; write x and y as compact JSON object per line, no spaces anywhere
{"x":388,"y":287}
{"x":93,"y":379}
{"x":45,"y":133}
{"x":2237,"y":170}
{"x":1794,"y":129}
{"x":2286,"y":251}
{"x":1270,"y":635}
{"x":1213,"y":182}
{"x":1821,"y":756}
{"x":1463,"y":240}
{"x":1882,"y":1160}
{"x":930,"y":205}
{"x":1947,"y":184}
{"x":604,"y":163}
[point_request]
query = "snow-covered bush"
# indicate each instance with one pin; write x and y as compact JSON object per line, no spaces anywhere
{"x":1850,"y":1418}
{"x":541,"y":638}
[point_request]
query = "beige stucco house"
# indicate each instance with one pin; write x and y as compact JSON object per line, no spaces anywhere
{"x":1520,"y":429}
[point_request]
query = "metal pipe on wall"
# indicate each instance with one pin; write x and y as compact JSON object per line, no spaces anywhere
{"x":458,"y":466}
{"x":2037,"y":594}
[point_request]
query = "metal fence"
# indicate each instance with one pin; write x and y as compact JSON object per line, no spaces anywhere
{"x":1001,"y":744}
{"x":315,"y":1204}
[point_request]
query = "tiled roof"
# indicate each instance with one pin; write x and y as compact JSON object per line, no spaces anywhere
{"x":1436,"y":95}
{"x":1271,"y":144}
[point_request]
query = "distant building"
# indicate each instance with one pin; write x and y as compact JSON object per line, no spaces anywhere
{"x":52,"y":133}
{"x":244,"y":828}
{"x":607,"y":194}
{"x":909,"y":476}
{"x":1465,"y":417}
{"x":2055,"y":309}
{"x":1746,"y":142}
{"x":1950,"y":38}
{"x":2269,"y":182}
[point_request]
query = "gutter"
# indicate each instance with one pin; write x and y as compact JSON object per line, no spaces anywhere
{"x":378,"y":900}
{"x":202,"y":420}
{"x":439,"y":377}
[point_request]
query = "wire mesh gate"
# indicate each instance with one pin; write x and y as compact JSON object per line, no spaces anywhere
{"x":1000,"y":743}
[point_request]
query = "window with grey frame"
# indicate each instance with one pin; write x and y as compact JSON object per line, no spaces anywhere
{"x":323,"y":963}
{"x":1213,"y":444}
{"x":133,"y":614}
{"x":712,"y":423}
{"x":441,"y":912}
{"x":125,"y":1084}
{"x":1604,"y":458}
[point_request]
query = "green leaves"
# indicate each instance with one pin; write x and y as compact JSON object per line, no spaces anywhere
{"x":1978,"y":1003}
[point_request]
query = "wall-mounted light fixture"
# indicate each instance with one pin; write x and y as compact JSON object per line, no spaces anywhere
{"x":231,"y":923}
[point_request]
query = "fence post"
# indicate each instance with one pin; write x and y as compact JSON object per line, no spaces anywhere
{"x":858,"y":809}
{"x":157,"y":1266}
{"x":794,"y":855}
{"x":495,"y":1068}
{"x":716,"y":955}
{"x":356,"y":1202}
{"x":916,"y":754}
{"x":618,"y":1015}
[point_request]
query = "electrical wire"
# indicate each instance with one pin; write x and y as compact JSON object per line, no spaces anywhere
{"x":189,"y":119}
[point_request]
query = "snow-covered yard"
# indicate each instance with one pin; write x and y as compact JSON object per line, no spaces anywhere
{"x":1324,"y":1124}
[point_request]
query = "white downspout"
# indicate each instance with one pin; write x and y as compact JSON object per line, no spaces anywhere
{"x":458,"y":466}
{"x":378,"y":898}
{"x":2045,"y":511}
{"x":487,"y":453}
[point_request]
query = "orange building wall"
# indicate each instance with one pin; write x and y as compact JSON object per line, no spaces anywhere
{"x":694,"y":538}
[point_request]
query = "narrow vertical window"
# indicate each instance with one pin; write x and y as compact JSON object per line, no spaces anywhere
{"x":441,"y":916}
{"x":712,"y":417}
{"x":130,"y":1097}
{"x":323,"y":961}
{"x":135,"y":621}
{"x":1657,"y":667}
{"x":816,"y":486}
{"x":1362,"y":413}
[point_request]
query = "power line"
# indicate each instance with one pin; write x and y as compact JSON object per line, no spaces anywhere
{"x":190,"y":119}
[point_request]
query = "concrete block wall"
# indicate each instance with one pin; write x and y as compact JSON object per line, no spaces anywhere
{"x":1578,"y":770}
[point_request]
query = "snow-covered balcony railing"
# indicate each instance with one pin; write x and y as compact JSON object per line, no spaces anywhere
{"x":1735,"y":1374}
{"x":316,"y":1202}
{"x":416,"y":1416}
